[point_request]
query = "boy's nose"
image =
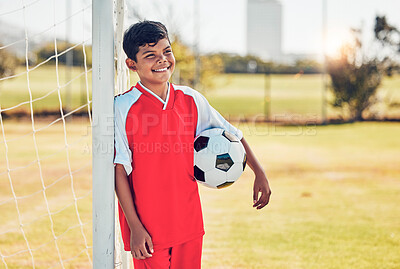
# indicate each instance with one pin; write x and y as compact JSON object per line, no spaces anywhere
{"x":162,"y":59}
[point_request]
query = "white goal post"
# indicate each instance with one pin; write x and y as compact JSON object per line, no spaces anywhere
{"x":103,"y":133}
{"x":108,"y":67}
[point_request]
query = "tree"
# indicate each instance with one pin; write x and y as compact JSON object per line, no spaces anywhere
{"x":184,"y":57}
{"x":386,"y":33}
{"x":389,"y":38}
{"x":8,"y":63}
{"x":233,"y":63}
{"x":354,"y":78}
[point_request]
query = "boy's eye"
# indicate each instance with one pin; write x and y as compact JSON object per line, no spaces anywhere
{"x":149,"y":55}
{"x":168,"y":51}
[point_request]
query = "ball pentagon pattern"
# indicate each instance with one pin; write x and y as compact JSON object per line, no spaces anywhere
{"x":224,"y":162}
{"x":199,"y":174}
{"x":201,"y":143}
{"x":219,"y":158}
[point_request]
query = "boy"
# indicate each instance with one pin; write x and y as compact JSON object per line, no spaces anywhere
{"x":155,"y":126}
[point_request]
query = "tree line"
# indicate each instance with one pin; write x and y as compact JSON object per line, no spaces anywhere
{"x":355,"y":75}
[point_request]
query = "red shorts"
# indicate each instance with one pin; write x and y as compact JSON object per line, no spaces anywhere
{"x":186,"y":255}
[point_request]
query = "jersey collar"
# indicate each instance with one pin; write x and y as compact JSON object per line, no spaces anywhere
{"x":167,"y":104}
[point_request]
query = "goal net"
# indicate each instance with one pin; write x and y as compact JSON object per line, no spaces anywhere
{"x":46,"y":133}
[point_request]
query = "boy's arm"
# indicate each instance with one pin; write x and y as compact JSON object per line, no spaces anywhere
{"x":260,"y":181}
{"x":139,"y":235}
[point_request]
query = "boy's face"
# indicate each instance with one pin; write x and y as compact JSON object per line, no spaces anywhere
{"x":154,"y":64}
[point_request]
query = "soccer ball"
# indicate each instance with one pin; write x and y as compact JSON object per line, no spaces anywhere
{"x":219,"y":158}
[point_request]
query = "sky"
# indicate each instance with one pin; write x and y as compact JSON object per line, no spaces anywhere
{"x":222,"y":22}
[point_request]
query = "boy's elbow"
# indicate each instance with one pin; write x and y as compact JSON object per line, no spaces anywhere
{"x":119,"y":166}
{"x":120,"y":171}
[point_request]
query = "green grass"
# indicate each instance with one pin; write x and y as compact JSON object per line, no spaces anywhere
{"x":27,"y":179}
{"x":334,"y":203}
{"x":243,"y":94}
{"x":43,"y":81}
{"x":234,"y":94}
{"x":335,"y":200}
{"x":336,"y":189}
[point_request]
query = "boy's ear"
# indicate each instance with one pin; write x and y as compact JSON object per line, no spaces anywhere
{"x":131,"y":64}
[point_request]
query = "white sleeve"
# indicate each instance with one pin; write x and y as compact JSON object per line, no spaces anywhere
{"x":208,"y":118}
{"x":123,"y":154}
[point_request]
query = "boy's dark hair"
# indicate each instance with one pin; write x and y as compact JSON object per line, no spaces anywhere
{"x":142,"y":33}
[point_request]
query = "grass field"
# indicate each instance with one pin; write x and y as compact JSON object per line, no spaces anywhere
{"x":44,"y":83}
{"x":336,"y":191}
{"x":234,"y":95}
{"x":290,"y":95}
{"x":335,"y":200}
{"x":336,"y":188}
{"x":61,"y":182}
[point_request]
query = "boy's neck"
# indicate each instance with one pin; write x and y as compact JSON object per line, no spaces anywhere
{"x":160,"y":90}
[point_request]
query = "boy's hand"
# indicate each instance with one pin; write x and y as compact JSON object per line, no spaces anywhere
{"x":141,"y":244}
{"x":261,"y":185}
{"x":260,"y":182}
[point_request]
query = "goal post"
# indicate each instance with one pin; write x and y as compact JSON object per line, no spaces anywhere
{"x":103,"y":134}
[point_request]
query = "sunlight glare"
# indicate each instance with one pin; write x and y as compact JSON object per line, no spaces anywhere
{"x":336,"y":38}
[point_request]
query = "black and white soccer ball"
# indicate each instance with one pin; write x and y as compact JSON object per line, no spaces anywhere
{"x":219,"y":158}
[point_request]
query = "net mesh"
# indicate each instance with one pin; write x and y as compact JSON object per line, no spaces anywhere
{"x":45,"y":167}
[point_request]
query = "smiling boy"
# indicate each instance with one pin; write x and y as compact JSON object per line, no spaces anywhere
{"x":155,"y":126}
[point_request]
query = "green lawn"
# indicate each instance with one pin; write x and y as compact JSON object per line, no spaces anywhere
{"x":234,"y":95}
{"x":64,"y":181}
{"x":245,"y":94}
{"x":45,"y":83}
{"x":290,"y":95}
{"x":336,"y":192}
{"x":336,"y":189}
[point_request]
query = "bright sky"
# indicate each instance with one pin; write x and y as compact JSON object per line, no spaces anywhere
{"x":223,"y":22}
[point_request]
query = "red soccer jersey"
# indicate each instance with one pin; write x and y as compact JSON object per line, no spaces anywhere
{"x":154,"y":141}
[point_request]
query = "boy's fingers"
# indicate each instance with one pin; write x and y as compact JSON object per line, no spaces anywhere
{"x":257,"y":202}
{"x":144,"y":253}
{"x":136,"y":254}
{"x":150,"y":244}
{"x":264,"y":200}
{"x":255,"y":195}
{"x":262,"y":204}
{"x":268,"y":195}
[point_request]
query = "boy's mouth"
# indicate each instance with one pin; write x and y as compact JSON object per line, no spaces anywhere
{"x":161,"y":69}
